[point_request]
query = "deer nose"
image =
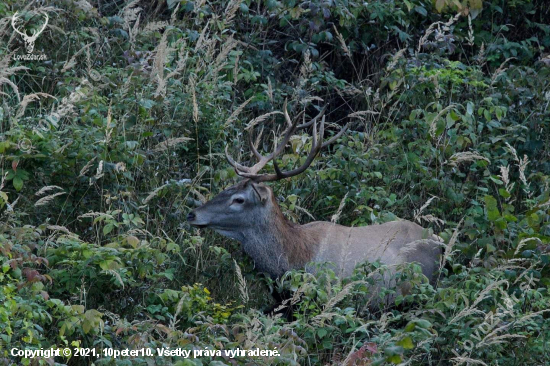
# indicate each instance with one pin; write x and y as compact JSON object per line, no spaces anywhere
{"x":191,"y":216}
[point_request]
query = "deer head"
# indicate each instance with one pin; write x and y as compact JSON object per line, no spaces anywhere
{"x":250,"y":202}
{"x":29,"y":40}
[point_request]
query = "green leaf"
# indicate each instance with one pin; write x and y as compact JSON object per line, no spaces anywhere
{"x":470,"y":108}
{"x":423,"y":323}
{"x":17,"y":183}
{"x":491,"y":205}
{"x":406,"y":343}
{"x":410,"y":327}
{"x":504,"y":193}
{"x":108,"y":228}
{"x":395,"y":359}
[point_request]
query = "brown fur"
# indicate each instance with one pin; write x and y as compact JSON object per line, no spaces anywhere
{"x":278,"y":245}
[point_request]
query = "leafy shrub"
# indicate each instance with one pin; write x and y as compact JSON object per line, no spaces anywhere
{"x":107,"y":145}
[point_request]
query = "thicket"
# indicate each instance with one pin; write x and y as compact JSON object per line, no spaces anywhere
{"x":109,"y":142}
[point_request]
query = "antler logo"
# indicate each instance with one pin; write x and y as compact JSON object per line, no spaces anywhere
{"x":29,"y":40}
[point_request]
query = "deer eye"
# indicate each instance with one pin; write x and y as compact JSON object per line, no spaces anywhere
{"x":238,"y":200}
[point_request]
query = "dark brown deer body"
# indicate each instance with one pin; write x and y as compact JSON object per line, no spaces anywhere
{"x":249,"y":213}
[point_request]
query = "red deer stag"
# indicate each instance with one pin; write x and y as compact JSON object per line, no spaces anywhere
{"x":248,"y":212}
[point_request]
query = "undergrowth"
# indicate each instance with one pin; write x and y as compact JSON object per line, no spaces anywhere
{"x":109,"y":142}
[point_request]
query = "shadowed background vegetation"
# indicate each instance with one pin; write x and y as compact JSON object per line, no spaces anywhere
{"x":107,"y":144}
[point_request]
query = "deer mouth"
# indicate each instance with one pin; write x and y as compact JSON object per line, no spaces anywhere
{"x":199,"y":226}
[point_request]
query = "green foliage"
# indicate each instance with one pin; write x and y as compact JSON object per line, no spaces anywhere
{"x":106,"y":145}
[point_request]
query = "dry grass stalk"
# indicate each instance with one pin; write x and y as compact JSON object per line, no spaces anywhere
{"x":522,"y":165}
{"x":133,"y":33}
{"x":301,"y":209}
{"x":342,"y":42}
{"x":228,"y":46}
{"x":154,"y":193}
{"x":449,"y":247}
{"x":471,"y":36}
{"x":46,"y":189}
{"x":433,"y":123}
{"x":130,"y":13}
{"x":170,"y":143}
{"x":72,"y":61}
{"x":59,"y":228}
{"x":6,"y":72}
{"x":489,"y":341}
{"x":500,"y":69}
{"x":524,"y":242}
{"x":418,"y":212}
{"x":99,"y":172}
{"x":174,"y":15}
{"x":442,"y":28}
{"x":231,"y":10}
{"x":3,"y":181}
{"x":202,"y":37}
{"x":152,"y":27}
{"x":86,"y":167}
{"x":505,"y":177}
{"x":198,"y":5}
{"x":342,"y":294}
{"x":398,"y":55}
{"x":480,"y":60}
{"x":512,"y":151}
{"x":45,"y":200}
{"x":469,"y":361}
{"x":362,"y":114}
{"x":179,"y":308}
{"x":241,"y":282}
{"x":28,"y":99}
{"x":94,"y":214}
{"x":334,"y":219}
{"x":269,"y":90}
{"x":432,"y":219}
{"x":466,"y":156}
{"x":115,"y":274}
{"x":306,"y":68}
{"x":67,"y":105}
{"x":482,"y":296}
{"x":194,"y":99}
{"x":161,"y":52}
{"x":236,"y":112}
{"x":236,"y":70}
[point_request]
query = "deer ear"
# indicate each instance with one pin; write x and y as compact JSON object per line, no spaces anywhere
{"x":261,"y":190}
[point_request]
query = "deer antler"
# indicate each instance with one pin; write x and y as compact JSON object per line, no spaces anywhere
{"x":35,"y":33}
{"x":13,"y":19}
{"x":316,"y":146}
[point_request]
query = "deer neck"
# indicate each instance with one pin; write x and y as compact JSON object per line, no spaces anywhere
{"x":278,"y":245}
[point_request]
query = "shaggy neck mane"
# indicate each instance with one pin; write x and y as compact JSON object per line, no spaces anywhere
{"x":298,"y":244}
{"x":278,"y":245}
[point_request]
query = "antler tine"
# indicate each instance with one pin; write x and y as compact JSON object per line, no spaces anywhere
{"x":336,"y":137}
{"x":314,"y":120}
{"x":44,"y":25}
{"x":238,"y":167}
{"x":316,"y":147}
{"x":13,"y":18}
{"x":35,"y":32}
{"x":252,"y":172}
{"x":253,"y":146}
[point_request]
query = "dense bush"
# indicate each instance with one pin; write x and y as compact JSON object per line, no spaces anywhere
{"x":108,"y":143}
